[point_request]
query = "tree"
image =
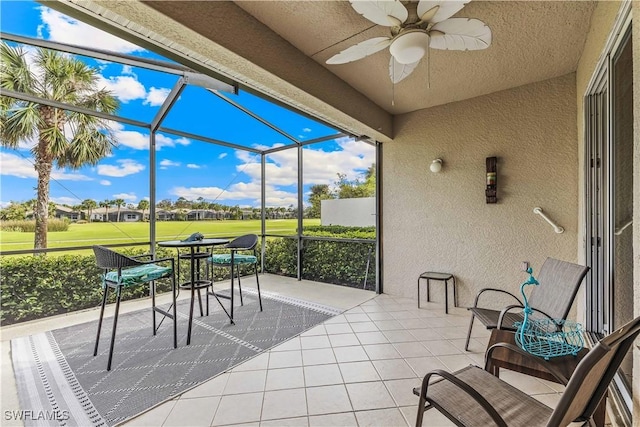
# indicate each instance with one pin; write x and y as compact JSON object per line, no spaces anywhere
{"x":165,"y":204}
{"x":354,"y":189}
{"x":119,"y":203}
{"x":64,"y":138}
{"x":106,"y":204}
{"x":13,"y":212}
{"x":89,"y":205}
{"x":319,"y":192}
{"x":143,"y":205}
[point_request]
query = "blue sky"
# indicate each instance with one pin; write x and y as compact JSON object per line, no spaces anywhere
{"x":185,"y":168}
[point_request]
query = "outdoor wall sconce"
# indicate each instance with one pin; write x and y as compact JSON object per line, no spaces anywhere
{"x":491,"y":191}
{"x":436,"y":166}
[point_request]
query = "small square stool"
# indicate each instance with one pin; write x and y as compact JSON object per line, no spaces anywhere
{"x":444,"y":277}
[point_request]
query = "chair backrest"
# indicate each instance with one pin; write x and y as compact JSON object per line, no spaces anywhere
{"x":559,"y":283}
{"x":246,"y":242}
{"x":592,"y":376}
{"x":108,"y":259}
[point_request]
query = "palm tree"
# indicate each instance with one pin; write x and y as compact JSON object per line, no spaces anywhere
{"x":119,"y":203}
{"x":106,"y":204}
{"x":68,"y":139}
{"x":89,"y":205}
{"x":143,"y":205}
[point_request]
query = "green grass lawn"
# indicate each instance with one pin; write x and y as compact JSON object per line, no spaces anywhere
{"x":133,"y":232}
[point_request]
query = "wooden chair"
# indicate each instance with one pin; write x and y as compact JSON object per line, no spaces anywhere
{"x":121,"y":271}
{"x":474,"y":397}
{"x":559,"y":283}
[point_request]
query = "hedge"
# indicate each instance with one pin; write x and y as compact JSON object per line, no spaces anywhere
{"x":33,"y":287}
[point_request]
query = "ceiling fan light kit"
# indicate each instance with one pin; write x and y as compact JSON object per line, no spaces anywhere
{"x":410,"y":46}
{"x":414,"y":29}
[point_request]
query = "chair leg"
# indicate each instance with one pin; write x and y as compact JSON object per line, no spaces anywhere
{"x":239,"y":286}
{"x":193,"y":297}
{"x":466,"y":345}
{"x":152,"y":289}
{"x":115,"y":324}
{"x":231,"y":308}
{"x":258,"y":285}
{"x":104,"y":303}
{"x":418,"y":292}
{"x":175,"y":311}
{"x":200,"y":302}
{"x":428,"y":290}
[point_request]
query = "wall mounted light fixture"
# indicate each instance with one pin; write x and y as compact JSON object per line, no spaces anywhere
{"x":436,"y":166}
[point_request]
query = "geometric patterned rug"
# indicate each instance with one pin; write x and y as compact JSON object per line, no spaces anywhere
{"x":60,"y":382}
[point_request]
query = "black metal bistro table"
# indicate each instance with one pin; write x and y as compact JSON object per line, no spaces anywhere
{"x":196,"y":282}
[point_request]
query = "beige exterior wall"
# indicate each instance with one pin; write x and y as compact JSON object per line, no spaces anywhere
{"x":441,"y":222}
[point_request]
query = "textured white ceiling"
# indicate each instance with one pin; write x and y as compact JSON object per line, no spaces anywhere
{"x":532,"y":41}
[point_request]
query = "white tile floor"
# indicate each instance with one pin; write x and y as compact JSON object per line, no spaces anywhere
{"x":357,"y":369}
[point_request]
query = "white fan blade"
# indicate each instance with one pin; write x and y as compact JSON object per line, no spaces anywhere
{"x":360,"y":50}
{"x":460,"y":34}
{"x":388,"y":13}
{"x":437,"y":11}
{"x":398,"y":71}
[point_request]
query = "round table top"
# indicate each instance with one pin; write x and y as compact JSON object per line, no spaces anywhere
{"x":203,"y":242}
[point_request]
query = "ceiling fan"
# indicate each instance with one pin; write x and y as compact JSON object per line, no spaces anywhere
{"x":415,"y":26}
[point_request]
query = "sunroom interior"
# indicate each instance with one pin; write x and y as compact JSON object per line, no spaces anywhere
{"x":552,"y":99}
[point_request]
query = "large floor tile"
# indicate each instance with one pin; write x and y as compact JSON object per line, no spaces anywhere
{"x":370,"y":395}
{"x":318,"y":356}
{"x":355,"y":372}
{"x":402,"y":391}
{"x":391,"y":417}
{"x":381,"y":351}
{"x":327,"y":400}
{"x":366,"y":338}
{"x":412,"y":349}
{"x":343,"y":340}
{"x":213,"y":387}
{"x":346,"y":419}
{"x":317,"y":341}
{"x":245,"y":382}
{"x":393,"y":369}
{"x":339,"y":328}
{"x":193,"y":412}
{"x":238,"y":408}
{"x":279,"y":379}
{"x":255,"y":364}
{"x":284,"y":404}
{"x":286,"y":422}
{"x":322,"y":375}
{"x":285,"y":359}
{"x":350,"y":354}
{"x":432,"y":418}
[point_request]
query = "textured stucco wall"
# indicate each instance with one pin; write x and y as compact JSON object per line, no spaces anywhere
{"x":441,"y":221}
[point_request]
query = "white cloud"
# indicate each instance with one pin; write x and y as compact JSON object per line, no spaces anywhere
{"x":306,"y":130}
{"x":20,"y":167}
{"x":128,"y":70}
{"x":166,"y":163}
{"x":320,"y":167}
{"x":124,"y":168}
{"x":193,"y":166}
{"x":68,"y":30}
{"x":156,"y":96}
{"x":129,"y":197}
{"x":222,"y":156}
{"x":4,"y":204}
{"x":64,"y":200}
{"x":105,"y":182}
{"x":125,"y":88}
{"x":140,"y":141}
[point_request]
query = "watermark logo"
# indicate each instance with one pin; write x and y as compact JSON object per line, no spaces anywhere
{"x":30,"y":415}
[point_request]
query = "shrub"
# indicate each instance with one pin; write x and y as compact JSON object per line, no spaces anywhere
{"x":341,"y":263}
{"x":25,"y":226}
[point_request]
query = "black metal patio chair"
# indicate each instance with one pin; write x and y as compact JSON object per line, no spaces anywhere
{"x":559,"y":283}
{"x":474,"y":397}
{"x":234,"y":260}
{"x":121,"y":271}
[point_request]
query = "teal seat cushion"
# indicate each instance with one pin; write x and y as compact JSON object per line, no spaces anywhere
{"x":225,"y":259}
{"x":139,"y":274}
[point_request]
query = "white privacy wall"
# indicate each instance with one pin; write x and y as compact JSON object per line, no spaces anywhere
{"x":359,"y":212}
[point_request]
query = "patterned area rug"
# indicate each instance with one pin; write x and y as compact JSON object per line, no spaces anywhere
{"x":61,"y":383}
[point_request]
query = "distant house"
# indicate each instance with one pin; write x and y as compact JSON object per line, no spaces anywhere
{"x":66,"y":212}
{"x":165,"y":215}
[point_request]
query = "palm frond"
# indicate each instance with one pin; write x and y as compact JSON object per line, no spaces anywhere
{"x":19,"y":123}
{"x":14,"y":71}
